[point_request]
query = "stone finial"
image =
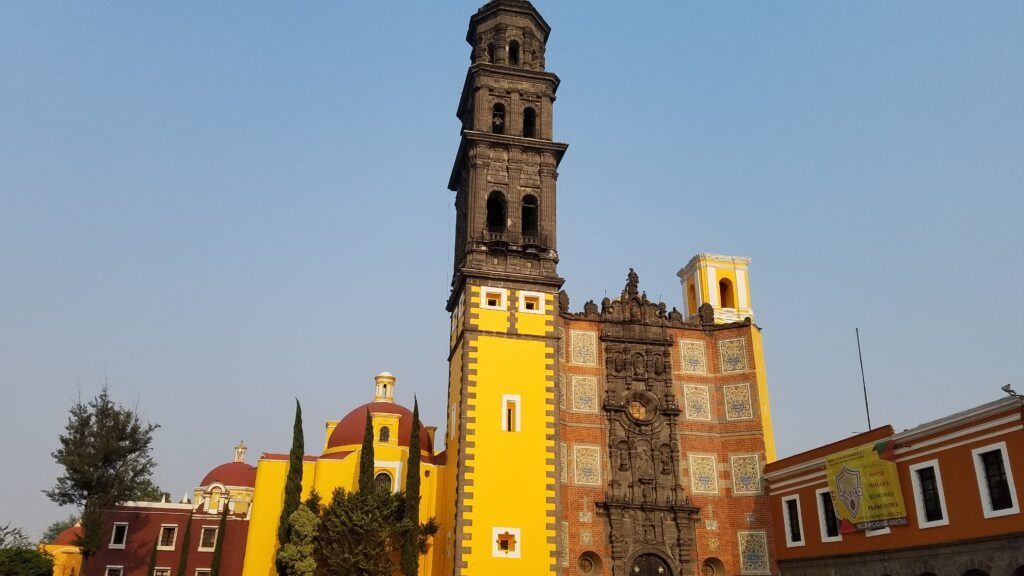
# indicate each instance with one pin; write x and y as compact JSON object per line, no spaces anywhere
{"x":240,"y":452}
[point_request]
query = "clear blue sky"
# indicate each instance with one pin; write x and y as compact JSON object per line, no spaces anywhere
{"x":222,"y":206}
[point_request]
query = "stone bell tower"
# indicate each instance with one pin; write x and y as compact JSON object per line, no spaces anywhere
{"x":501,"y":444}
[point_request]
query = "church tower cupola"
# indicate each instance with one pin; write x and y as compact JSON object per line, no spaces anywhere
{"x":384,"y":384}
{"x":721,"y":282}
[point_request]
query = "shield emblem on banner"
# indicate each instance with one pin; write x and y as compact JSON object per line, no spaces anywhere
{"x":850,"y":491}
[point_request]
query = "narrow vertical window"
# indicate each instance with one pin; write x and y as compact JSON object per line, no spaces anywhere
{"x":529,"y":217}
{"x":827,"y":517}
{"x":385,"y":434}
{"x":529,"y":123}
{"x":498,"y":118}
{"x":930,"y":494}
{"x":513,"y":53}
{"x":995,"y":481}
{"x":490,"y":53}
{"x":119,"y":535}
{"x":510,"y":406}
{"x":794,"y":526}
{"x":726,"y":298}
{"x":995,"y":478}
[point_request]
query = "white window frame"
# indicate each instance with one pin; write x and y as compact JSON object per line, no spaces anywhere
{"x":160,"y":537}
{"x":922,"y":520}
{"x":505,"y":398}
{"x":202,"y":571}
{"x":878,"y":532}
{"x":986,"y":498}
{"x":502,"y":305}
{"x":497,"y":552}
{"x":216,"y":532}
{"x":167,"y":568}
{"x":106,"y":571}
{"x":787,"y":522}
{"x":113,"y":532}
{"x":523,"y":295}
{"x":822,"y":525}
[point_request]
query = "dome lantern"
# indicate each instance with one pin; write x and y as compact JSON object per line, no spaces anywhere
{"x":385,"y":387}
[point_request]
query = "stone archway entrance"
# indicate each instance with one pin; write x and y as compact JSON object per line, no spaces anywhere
{"x":650,"y":565}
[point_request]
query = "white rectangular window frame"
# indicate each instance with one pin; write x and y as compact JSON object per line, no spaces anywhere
{"x":541,"y":302}
{"x":514,"y":426}
{"x":878,"y":532}
{"x":114,"y":543}
{"x":162,"y":571}
{"x":202,"y":572}
{"x":502,"y":293}
{"x":160,"y":537}
{"x":915,"y":481}
{"x":788,"y":520}
{"x":114,"y":571}
{"x":822,"y":518}
{"x":983,"y":491}
{"x":202,"y":532}
{"x":515,"y":551}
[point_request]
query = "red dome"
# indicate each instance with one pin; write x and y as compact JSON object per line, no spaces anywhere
{"x":232,"y":474}
{"x":69,"y":537}
{"x":351,"y":428}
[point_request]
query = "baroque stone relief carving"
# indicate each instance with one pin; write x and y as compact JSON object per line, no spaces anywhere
{"x":733,"y":354}
{"x":737,"y":402}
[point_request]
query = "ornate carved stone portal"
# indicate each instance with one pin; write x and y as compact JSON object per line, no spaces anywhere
{"x":651,"y":522}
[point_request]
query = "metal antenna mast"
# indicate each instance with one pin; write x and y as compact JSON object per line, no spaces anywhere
{"x":863,"y":382}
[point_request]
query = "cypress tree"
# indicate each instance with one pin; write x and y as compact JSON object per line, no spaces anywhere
{"x":293,"y":485}
{"x":410,"y":543}
{"x":219,"y":546}
{"x":187,"y":543}
{"x":366,"y":457}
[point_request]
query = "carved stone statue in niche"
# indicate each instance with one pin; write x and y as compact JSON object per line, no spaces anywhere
{"x":666,"y":459}
{"x":645,"y":462}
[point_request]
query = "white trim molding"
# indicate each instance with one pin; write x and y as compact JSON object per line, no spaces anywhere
{"x":915,"y":481}
{"x":983,"y":489}
{"x":202,"y":530}
{"x":503,"y":292}
{"x":822,"y":524}
{"x":496,"y":550}
{"x":788,"y":522}
{"x":113,"y":535}
{"x":160,"y":537}
{"x":541,"y":300}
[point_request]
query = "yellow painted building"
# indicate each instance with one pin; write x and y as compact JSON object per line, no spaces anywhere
{"x":67,"y":557}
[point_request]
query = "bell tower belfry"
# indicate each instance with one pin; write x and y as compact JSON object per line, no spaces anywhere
{"x":501,"y":442}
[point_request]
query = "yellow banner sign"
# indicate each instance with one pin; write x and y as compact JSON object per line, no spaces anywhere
{"x":865,"y":487}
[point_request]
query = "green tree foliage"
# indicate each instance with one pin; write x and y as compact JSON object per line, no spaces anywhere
{"x":152,"y":556}
{"x":314,"y":502}
{"x":13,"y":537}
{"x":55,"y":528}
{"x":293,"y":485}
{"x":25,"y":562}
{"x":186,"y":544}
{"x":366,"y":457}
{"x":105,"y":452}
{"x":410,"y":540}
{"x":360,"y":533}
{"x":297,"y":557}
{"x":218,"y":548}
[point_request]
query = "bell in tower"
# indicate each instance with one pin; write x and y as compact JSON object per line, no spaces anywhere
{"x":505,"y":170}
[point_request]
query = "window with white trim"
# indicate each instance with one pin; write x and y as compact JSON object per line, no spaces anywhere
{"x":119,"y":535}
{"x":828,"y":522}
{"x":208,"y":539}
{"x":510,"y":410}
{"x":995,"y":481}
{"x":929,"y":499}
{"x":114,"y":571}
{"x":168,"y":534}
{"x":531,"y":302}
{"x":794,"y":524}
{"x":493,"y":298}
{"x":203,"y":572}
{"x":161,"y":572}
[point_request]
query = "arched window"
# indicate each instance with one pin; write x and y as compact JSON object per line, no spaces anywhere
{"x":490,"y":53}
{"x":530,"y":227}
{"x":496,"y":215}
{"x":726,"y":298}
{"x":385,"y":434}
{"x":712,"y":567}
{"x":513,"y":53}
{"x":691,"y":298}
{"x":498,"y":118}
{"x":529,"y":123}
{"x":383,"y":481}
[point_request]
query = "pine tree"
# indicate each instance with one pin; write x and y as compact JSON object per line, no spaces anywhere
{"x":366,"y":457}
{"x":293,"y":485}
{"x":298,"y":556}
{"x":219,"y":546}
{"x":152,"y":556}
{"x":410,"y":540}
{"x":186,"y":544}
{"x":359,"y":533}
